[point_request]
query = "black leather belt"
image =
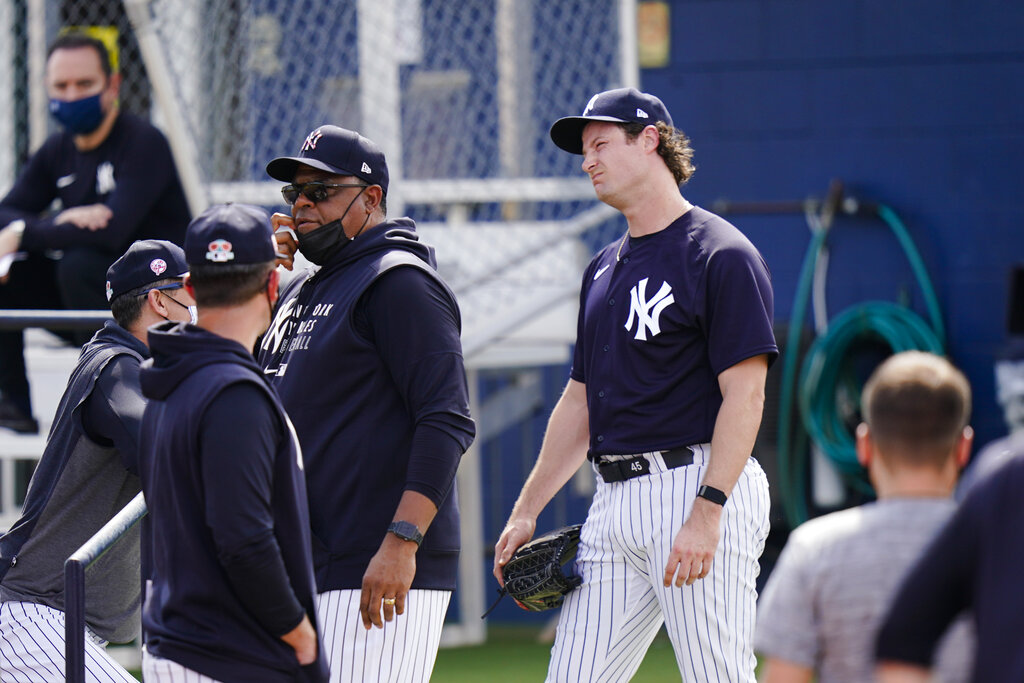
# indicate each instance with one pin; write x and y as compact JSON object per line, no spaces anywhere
{"x":628,"y":468}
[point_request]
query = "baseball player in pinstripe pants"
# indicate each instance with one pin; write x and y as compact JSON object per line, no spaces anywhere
{"x":89,"y":471}
{"x":665,"y":397}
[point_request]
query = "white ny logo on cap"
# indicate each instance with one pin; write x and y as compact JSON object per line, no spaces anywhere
{"x":311,"y":140}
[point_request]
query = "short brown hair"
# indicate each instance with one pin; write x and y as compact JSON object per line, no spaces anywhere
{"x":73,"y":40}
{"x":673,"y":147}
{"x":218,"y":285}
{"x":916,"y":405}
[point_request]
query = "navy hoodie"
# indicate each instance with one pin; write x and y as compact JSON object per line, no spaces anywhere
{"x":223,"y":480}
{"x":365,"y":355}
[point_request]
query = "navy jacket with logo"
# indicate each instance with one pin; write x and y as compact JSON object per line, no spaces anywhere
{"x":132,"y":172}
{"x":366,"y":356}
{"x":223,"y":480}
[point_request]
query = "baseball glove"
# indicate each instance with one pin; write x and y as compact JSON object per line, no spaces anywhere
{"x":535,"y":575}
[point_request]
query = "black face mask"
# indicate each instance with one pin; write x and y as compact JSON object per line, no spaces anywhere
{"x":321,"y":245}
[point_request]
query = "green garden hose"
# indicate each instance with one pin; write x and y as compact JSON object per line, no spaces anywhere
{"x":821,"y":377}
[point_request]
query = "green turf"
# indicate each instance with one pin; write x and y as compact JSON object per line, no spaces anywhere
{"x":512,"y":654}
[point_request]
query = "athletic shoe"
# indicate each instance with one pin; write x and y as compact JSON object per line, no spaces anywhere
{"x":13,"y":418}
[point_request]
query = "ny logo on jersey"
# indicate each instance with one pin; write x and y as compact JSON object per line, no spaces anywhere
{"x":280,"y":326}
{"x":105,"y":182}
{"x":647,"y":313}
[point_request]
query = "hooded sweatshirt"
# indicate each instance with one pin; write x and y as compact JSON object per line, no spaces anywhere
{"x":365,"y":355}
{"x":222,"y":475}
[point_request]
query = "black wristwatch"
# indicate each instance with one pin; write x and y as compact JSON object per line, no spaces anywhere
{"x":711,"y":493}
{"x":407,"y":531}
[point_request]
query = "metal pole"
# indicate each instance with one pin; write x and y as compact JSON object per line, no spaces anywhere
{"x":38,"y":104}
{"x":74,"y":620}
{"x":163,"y":92}
{"x":380,"y":96}
{"x":74,"y":583}
{"x":628,"y":53}
{"x":14,"y":319}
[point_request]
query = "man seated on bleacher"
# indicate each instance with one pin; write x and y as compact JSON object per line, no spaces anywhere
{"x":87,"y":473}
{"x":115,"y":180}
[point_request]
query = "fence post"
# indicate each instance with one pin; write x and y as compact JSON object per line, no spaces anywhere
{"x":74,"y":583}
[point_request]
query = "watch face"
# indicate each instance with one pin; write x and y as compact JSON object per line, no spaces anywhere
{"x":407,"y":531}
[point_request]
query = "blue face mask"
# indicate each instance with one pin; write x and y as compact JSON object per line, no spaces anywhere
{"x":81,"y":117}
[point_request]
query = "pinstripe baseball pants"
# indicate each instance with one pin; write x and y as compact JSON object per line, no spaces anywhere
{"x":159,"y":670}
{"x":32,"y":648}
{"x":607,"y":624}
{"x":402,"y":652}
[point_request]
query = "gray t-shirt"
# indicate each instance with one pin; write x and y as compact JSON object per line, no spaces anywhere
{"x":833,"y":583}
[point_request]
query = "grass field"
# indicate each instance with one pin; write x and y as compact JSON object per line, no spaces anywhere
{"x":513,"y":655}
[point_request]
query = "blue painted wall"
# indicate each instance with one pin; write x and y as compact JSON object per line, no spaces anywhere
{"x":915,"y":103}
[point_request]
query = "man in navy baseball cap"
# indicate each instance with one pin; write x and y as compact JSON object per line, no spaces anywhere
{"x":231,"y":234}
{"x":335,"y":150}
{"x":225,"y":614}
{"x":91,"y":454}
{"x":145,"y":262}
{"x":665,"y":390}
{"x":622,"y":105}
{"x":376,"y":331}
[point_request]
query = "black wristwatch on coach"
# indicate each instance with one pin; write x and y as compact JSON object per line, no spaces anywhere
{"x":711,"y":493}
{"x":407,"y":531}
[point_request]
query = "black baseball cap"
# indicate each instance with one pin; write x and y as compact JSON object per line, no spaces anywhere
{"x":145,"y":262}
{"x":622,"y":105}
{"x":335,"y":150}
{"x":230,"y":234}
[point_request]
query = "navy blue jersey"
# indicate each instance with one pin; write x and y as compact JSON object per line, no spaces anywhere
{"x":660,"y":317}
{"x":222,"y":473}
{"x":131,"y":171}
{"x":366,"y":357}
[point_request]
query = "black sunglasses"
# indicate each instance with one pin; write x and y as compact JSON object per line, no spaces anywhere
{"x":315,"y":191}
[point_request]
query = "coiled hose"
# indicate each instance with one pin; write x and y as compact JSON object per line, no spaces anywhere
{"x":821,"y":376}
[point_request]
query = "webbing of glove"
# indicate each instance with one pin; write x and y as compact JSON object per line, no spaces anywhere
{"x":535,"y":575}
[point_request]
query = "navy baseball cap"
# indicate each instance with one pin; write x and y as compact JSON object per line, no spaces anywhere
{"x":335,"y":150}
{"x":622,"y":105}
{"x":145,"y":262}
{"x":230,"y":233}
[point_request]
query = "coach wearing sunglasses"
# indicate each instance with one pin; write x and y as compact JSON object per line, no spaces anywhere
{"x":365,"y":354}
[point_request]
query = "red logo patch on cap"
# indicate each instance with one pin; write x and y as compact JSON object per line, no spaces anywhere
{"x":110,"y":290}
{"x":158,"y":266}
{"x":219,"y":251}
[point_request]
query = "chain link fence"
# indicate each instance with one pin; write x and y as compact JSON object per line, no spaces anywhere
{"x":459,"y":95}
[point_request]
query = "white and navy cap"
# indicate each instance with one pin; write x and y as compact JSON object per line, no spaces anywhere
{"x":335,"y":150}
{"x":230,"y":234}
{"x":145,"y":262}
{"x":622,"y":105}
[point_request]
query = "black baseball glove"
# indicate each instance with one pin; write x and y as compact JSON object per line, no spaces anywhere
{"x":535,"y":575}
